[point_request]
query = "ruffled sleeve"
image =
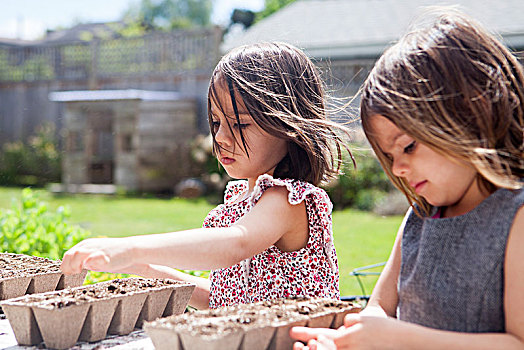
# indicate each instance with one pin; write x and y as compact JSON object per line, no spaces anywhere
{"x":319,"y":209}
{"x":233,"y":190}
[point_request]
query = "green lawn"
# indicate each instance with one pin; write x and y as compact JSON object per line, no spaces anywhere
{"x":361,"y":238}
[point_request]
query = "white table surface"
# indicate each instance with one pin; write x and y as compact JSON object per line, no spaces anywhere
{"x":137,"y":340}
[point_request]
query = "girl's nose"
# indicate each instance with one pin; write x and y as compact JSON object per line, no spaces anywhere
{"x":223,"y":136}
{"x":399,"y":168}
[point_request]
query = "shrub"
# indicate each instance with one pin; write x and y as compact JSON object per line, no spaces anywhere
{"x":31,"y":228}
{"x":362,"y":187}
{"x":34,"y":163}
{"x":394,"y":203}
{"x":93,"y":277}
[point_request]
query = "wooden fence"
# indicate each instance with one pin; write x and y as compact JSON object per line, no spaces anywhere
{"x":180,"y":52}
{"x":177,"y":61}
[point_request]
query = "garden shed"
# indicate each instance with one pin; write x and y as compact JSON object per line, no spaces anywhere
{"x":137,"y":140}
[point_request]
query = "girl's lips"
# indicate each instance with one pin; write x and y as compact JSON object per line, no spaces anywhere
{"x":418,"y":186}
{"x":226,"y":160}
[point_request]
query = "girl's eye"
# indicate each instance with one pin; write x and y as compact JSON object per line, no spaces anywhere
{"x":240,"y":126}
{"x":215,"y":125}
{"x":411,"y":147}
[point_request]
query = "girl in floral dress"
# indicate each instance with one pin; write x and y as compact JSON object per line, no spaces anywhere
{"x":272,"y":237}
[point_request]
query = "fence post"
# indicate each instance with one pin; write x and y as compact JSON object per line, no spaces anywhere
{"x":93,"y":67}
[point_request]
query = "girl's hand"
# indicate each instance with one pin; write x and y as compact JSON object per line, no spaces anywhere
{"x":99,"y":254}
{"x":320,"y":342}
{"x":358,"y":332}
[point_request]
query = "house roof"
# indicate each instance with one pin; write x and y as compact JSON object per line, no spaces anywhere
{"x":8,"y":42}
{"x":364,"y":28}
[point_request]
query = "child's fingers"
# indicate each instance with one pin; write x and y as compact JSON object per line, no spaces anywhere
{"x":324,"y":343}
{"x":305,"y":333}
{"x":299,"y":346}
{"x":312,"y":344}
{"x":72,"y":261}
{"x":96,"y":261}
{"x":351,"y":320}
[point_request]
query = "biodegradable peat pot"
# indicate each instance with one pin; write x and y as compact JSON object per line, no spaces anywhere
{"x":23,"y":324}
{"x":338,"y":320}
{"x":257,"y":338}
{"x":61,"y":327}
{"x":126,"y":314}
{"x":13,"y":287}
{"x":163,"y":338}
{"x":88,"y":313}
{"x":154,"y":306}
{"x":281,"y":339}
{"x":178,"y":300}
{"x":217,"y":341}
{"x":322,"y":320}
{"x":23,"y":274}
{"x":98,"y":320}
{"x":68,"y":281}
{"x":45,"y":282}
{"x":263,"y":325}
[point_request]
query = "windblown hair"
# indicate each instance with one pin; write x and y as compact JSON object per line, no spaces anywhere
{"x":282,"y":91}
{"x":454,"y":87}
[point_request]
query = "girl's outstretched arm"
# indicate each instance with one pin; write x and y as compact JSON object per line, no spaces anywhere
{"x":271,"y":220}
{"x":364,"y":331}
{"x":199,"y":298}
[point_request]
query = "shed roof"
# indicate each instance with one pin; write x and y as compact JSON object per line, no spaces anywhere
{"x":364,"y":28}
{"x":84,"y":32}
{"x":107,"y":95}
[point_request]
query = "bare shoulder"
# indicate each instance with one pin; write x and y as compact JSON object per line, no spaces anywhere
{"x":518,"y":222}
{"x":516,"y":235}
{"x":277,"y":198}
{"x":289,"y":220}
{"x":513,"y":277}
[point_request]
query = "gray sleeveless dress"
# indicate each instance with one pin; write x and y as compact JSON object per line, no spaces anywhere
{"x":452,"y":270}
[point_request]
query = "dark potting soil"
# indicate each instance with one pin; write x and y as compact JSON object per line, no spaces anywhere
{"x":103,"y":290}
{"x":19,"y":265}
{"x":247,"y":316}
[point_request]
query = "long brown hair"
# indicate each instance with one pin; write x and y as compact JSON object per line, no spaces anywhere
{"x":454,"y":87}
{"x":282,"y":91}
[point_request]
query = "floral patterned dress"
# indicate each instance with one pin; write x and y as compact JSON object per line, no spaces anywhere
{"x":311,"y":271}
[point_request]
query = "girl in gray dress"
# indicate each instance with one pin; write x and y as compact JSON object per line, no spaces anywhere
{"x":444,"y":111}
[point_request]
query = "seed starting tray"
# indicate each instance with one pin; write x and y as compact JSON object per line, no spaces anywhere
{"x":262,"y":325}
{"x":23,"y":274}
{"x":89,"y":313}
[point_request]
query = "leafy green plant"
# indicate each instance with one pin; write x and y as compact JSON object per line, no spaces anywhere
{"x":36,"y":162}
{"x":29,"y":227}
{"x":95,"y":277}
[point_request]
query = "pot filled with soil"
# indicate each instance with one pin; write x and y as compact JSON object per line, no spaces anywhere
{"x":23,"y":274}
{"x":262,"y":325}
{"x":89,"y":313}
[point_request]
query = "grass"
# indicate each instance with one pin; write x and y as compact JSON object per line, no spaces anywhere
{"x":361,"y":238}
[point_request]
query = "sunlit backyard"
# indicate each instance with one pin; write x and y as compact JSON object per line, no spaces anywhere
{"x":361,"y":238}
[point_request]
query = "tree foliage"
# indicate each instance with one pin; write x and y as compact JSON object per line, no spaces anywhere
{"x":150,"y":15}
{"x":35,"y":162}
{"x":272,"y":6}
